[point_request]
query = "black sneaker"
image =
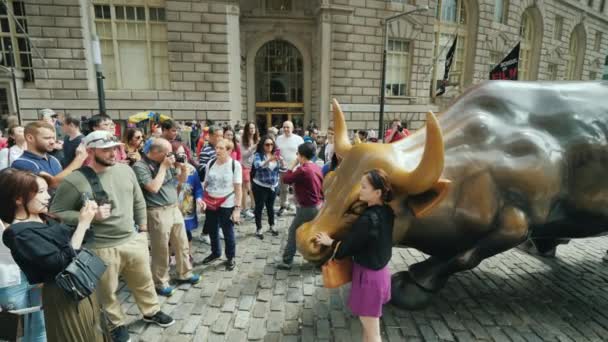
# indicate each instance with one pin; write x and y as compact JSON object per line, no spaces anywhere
{"x":209,"y":259}
{"x":273,"y":231}
{"x":230,"y":264}
{"x":120,"y":334}
{"x":281,"y":211}
{"x":259,"y":235}
{"x":161,"y":319}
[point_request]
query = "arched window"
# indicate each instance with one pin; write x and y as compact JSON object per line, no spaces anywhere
{"x":451,"y":21}
{"x":531,"y":39}
{"x":576,"y":53}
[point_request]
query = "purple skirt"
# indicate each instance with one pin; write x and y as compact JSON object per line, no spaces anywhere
{"x":370,"y":290}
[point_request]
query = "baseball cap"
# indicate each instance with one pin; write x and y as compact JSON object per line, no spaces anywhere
{"x":101,"y":139}
{"x":48,"y":112}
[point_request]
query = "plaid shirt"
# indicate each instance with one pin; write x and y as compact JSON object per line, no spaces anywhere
{"x":265,"y":176}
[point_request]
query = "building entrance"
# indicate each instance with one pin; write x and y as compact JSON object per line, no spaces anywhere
{"x":279,"y":84}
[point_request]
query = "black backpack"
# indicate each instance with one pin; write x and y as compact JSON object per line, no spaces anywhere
{"x":212,"y":162}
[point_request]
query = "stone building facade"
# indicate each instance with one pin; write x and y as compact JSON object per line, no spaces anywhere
{"x":269,"y":60}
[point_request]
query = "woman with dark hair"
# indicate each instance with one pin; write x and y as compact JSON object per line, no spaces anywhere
{"x":249,"y":142}
{"x":230,"y":135}
{"x":190,"y":193}
{"x":265,"y":167}
{"x":16,"y":146}
{"x":134,"y":141}
{"x":43,"y":248}
{"x":369,"y":243}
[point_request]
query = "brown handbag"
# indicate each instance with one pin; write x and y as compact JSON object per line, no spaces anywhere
{"x":337,"y":272}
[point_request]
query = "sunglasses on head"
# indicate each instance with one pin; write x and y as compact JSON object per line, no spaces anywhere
{"x":104,"y":140}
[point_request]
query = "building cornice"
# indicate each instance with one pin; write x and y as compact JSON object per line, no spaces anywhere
{"x":585,"y":11}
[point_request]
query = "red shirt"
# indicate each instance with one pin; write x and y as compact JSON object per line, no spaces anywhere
{"x":308,"y":184}
{"x":398,"y":136}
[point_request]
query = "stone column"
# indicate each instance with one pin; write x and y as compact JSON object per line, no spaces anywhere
{"x":234,"y":62}
{"x":325,"y":70}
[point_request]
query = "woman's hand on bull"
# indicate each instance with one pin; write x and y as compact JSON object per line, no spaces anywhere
{"x":323,"y":239}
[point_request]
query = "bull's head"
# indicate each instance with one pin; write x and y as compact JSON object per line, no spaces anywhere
{"x":341,"y":187}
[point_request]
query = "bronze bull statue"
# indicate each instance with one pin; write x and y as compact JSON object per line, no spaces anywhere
{"x":507,"y":162}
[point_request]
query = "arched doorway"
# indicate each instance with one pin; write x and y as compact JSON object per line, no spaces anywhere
{"x":279,"y":84}
{"x":531,"y":32}
{"x":576,"y":53}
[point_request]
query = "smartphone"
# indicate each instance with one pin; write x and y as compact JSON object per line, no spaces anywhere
{"x":277,"y":153}
{"x":84,"y":197}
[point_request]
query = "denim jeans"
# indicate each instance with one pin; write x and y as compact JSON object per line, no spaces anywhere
{"x":25,"y":296}
{"x":303,"y":215}
{"x":221,"y":219}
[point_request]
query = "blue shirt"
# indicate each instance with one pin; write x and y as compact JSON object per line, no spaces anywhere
{"x":32,"y":162}
{"x":264,"y":175}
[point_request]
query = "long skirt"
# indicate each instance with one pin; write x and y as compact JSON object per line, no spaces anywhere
{"x":70,"y":321}
{"x":370,"y":290}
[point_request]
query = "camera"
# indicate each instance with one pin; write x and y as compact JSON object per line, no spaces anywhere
{"x":180,"y":158}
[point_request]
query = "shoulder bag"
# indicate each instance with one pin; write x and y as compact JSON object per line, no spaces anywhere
{"x":337,"y":272}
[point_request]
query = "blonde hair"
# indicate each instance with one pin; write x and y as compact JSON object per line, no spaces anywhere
{"x":33,"y":127}
{"x":229,"y":144}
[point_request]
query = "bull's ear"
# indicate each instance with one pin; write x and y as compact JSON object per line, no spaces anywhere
{"x":423,"y":203}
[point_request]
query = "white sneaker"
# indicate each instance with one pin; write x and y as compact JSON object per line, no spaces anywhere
{"x":249,"y":214}
{"x":205,"y":239}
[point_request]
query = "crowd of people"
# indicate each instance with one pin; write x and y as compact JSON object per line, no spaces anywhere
{"x":135,"y":201}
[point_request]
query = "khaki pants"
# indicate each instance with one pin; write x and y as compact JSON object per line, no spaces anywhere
{"x":284,"y":193}
{"x":130,"y":260}
{"x":166,"y":225}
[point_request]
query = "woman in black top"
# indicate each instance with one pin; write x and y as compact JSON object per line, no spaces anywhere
{"x":43,"y":248}
{"x":369,"y":243}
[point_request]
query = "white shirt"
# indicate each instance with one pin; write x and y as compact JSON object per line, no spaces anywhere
{"x":329,"y":151}
{"x":15,"y":152}
{"x":289,"y":147}
{"x":220,"y":180}
{"x":10,"y":274}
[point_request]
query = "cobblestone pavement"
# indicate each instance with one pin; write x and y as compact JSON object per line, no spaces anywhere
{"x":511,"y":297}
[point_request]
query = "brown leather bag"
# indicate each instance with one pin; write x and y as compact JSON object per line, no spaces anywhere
{"x":337,"y":272}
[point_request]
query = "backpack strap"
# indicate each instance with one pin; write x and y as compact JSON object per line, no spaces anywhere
{"x":99,"y":194}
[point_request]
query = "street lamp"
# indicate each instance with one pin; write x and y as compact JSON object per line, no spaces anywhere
{"x":387,"y":20}
{"x":101,"y":97}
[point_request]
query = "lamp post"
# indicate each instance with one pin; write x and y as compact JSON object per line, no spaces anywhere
{"x":387,"y":20}
{"x":101,"y":97}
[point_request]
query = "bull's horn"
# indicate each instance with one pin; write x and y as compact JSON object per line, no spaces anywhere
{"x":431,"y":164}
{"x":341,"y":143}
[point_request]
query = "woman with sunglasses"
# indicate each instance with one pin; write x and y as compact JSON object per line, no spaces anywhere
{"x":369,"y":243}
{"x":265,"y":169}
{"x":133,"y":140}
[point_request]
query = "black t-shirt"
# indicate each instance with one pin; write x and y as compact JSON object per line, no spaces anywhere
{"x":69,"y":149}
{"x":370,"y":239}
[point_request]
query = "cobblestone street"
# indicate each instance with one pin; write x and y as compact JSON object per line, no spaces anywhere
{"x":511,"y":297}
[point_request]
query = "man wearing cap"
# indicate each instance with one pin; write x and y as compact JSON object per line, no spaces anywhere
{"x":40,"y":138}
{"x":119,"y":229}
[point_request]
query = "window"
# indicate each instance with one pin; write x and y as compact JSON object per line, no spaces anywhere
{"x":593,"y":75}
{"x":279,"y":71}
{"x":13,"y":39}
{"x":451,"y":22}
{"x":590,"y":3}
{"x":133,"y":43}
{"x":398,"y":67}
{"x":598,"y":41}
{"x":279,"y":5}
{"x":602,"y":6}
{"x":501,"y":11}
{"x":552,"y":71}
{"x":576,"y":54}
{"x":558,"y":28}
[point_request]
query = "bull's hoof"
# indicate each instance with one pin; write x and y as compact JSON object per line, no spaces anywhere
{"x":546,"y":248}
{"x":406,"y":294}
